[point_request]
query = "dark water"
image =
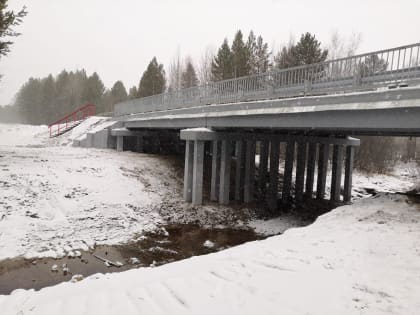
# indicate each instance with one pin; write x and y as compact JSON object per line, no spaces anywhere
{"x":180,"y":242}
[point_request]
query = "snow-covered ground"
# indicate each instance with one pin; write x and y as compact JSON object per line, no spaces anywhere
{"x":358,"y":259}
{"x":55,"y":198}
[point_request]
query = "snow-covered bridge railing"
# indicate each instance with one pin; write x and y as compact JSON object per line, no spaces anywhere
{"x":384,"y":68}
{"x":71,"y":120}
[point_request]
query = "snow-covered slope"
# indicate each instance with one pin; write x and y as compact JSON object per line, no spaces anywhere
{"x":359,"y":259}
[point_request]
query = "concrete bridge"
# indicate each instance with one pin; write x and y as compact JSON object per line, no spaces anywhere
{"x":298,"y":115}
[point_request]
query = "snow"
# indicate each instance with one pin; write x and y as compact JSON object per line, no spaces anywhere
{"x":56,"y":200}
{"x":359,"y":259}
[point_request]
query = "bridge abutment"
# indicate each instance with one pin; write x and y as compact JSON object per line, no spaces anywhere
{"x":236,"y":176}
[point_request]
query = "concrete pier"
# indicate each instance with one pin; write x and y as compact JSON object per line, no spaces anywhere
{"x":225,"y":164}
{"x":274,"y":175}
{"x":188,"y":171}
{"x":240,"y":170}
{"x":324,"y":153}
{"x":215,"y":171}
{"x":337,"y":166}
{"x":241,"y":147}
{"x":249,"y":180}
{"x":300,"y":171}
{"x":288,"y":171}
{"x":120,"y":143}
{"x":310,"y":170}
{"x":198,"y":168}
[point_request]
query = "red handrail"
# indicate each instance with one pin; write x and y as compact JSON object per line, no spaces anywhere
{"x":69,"y":121}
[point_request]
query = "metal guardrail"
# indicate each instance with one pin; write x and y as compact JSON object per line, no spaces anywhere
{"x":71,"y":120}
{"x":361,"y":72}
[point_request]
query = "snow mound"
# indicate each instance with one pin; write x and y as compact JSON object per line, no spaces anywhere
{"x":358,"y":259}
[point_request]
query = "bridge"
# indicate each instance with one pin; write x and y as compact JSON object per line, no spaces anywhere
{"x":295,"y":117}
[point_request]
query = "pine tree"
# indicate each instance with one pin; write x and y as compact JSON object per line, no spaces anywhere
{"x":93,"y":92}
{"x":308,"y":50}
{"x":240,"y":56}
{"x":118,"y":92}
{"x":262,"y":56}
{"x":189,"y":76}
{"x":132,"y":93}
{"x":222,"y":66}
{"x":8,"y":20}
{"x":153,"y":80}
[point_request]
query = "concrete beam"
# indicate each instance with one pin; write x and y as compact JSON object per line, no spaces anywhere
{"x":348,"y":177}
{"x":274,"y":175}
{"x":337,"y":166}
{"x":300,"y":171}
{"x":240,"y":170}
{"x":324,"y":153}
{"x":288,"y":171}
{"x":310,"y":170}
{"x":215,"y":171}
{"x":188,"y":171}
{"x":263,"y":167}
{"x":225,"y":164}
{"x":120,"y":143}
{"x":249,"y":171}
{"x":197,"y":193}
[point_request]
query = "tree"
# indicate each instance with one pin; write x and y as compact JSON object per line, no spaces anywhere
{"x":341,"y":46}
{"x":307,"y":51}
{"x":132,"y":93}
{"x":175,"y":72}
{"x":118,"y":92}
{"x":286,"y":56}
{"x":8,"y":20}
{"x":240,"y":56}
{"x":262,"y":57}
{"x":189,"y":76}
{"x":153,"y":80}
{"x":372,"y":65}
{"x":93,"y":91}
{"x":222,"y":65}
{"x":205,"y":66}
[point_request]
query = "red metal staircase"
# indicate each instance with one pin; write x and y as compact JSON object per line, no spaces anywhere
{"x":71,"y":120}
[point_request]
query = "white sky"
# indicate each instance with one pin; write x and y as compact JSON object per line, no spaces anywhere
{"x":118,"y":38}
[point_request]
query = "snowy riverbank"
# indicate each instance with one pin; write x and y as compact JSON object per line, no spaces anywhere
{"x":359,"y":259}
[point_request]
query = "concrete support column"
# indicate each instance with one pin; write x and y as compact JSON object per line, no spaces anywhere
{"x":348,"y":173}
{"x":274,"y":175}
{"x":263,"y":168}
{"x":288,"y":171}
{"x":336,"y":172}
{"x":310,"y":170}
{"x":139,"y":144}
{"x":197,"y":193}
{"x":215,"y":171}
{"x":249,"y":171}
{"x":300,"y":171}
{"x":324,"y":153}
{"x":240,"y":170}
{"x":120,"y":143}
{"x":188,"y":170}
{"x":225,"y":163}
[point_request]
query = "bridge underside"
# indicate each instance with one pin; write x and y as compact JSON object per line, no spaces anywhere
{"x":278,"y":151}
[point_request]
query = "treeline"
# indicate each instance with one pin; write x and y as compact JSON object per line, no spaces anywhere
{"x":41,"y":101}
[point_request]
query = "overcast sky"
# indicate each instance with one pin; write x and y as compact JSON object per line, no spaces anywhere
{"x":117,"y":39}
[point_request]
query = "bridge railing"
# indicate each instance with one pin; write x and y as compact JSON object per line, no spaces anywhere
{"x":71,"y":120}
{"x":361,"y":72}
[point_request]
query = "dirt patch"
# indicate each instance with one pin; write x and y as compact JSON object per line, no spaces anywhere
{"x":171,"y":243}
